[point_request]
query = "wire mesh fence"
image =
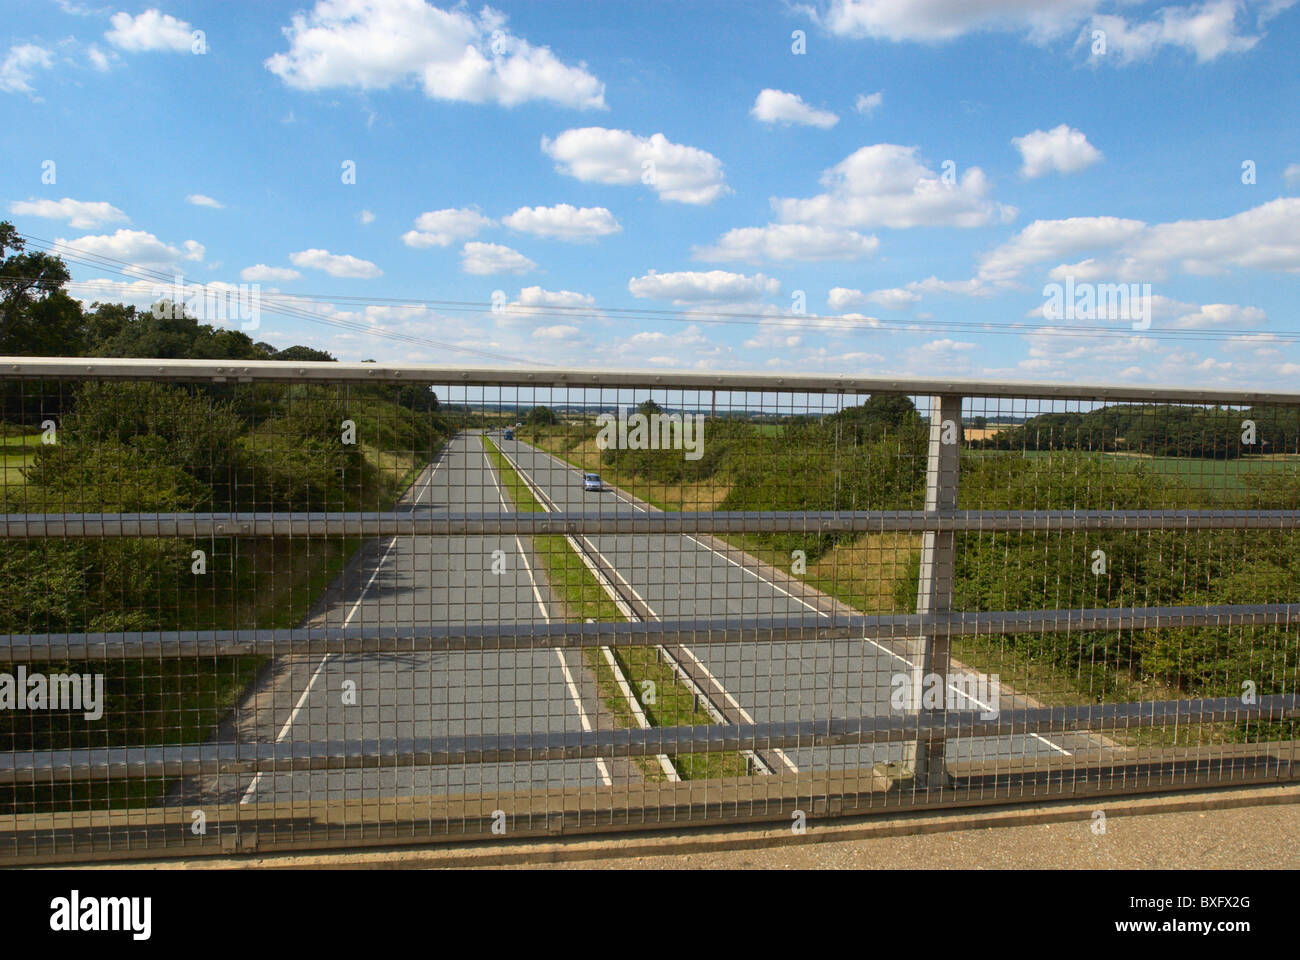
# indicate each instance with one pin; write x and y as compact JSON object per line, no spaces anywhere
{"x":278,"y":606}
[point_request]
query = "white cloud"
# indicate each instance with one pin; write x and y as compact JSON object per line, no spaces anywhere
{"x":560,"y":331}
{"x":441,"y":228}
{"x":151,"y":30}
{"x":1062,"y":149}
{"x":885,"y":185}
{"x":932,"y":20}
{"x":201,"y":200}
{"x":454,"y":55}
{"x":19,"y":62}
{"x":488,"y":258}
{"x":1266,"y":237}
{"x":843,"y":298}
{"x":366,"y":217}
{"x":137,"y":247}
{"x":868,"y":102}
{"x":84,"y":215}
{"x":783,"y":242}
{"x":1292,"y":175}
{"x":896,"y":298}
{"x":698,"y":287}
{"x":261,"y":273}
{"x":335,"y":264}
{"x":777,"y":106}
{"x":1053,"y":239}
{"x":100,"y":60}
{"x":563,"y":222}
{"x":1221,"y":315}
{"x":674,"y":171}
{"x":537,"y":297}
{"x":1208,"y":31}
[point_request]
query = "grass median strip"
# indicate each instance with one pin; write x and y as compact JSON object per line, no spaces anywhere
{"x":662,"y":696}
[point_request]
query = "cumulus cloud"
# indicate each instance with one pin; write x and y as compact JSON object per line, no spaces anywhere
{"x":703,"y":287}
{"x":1061,"y":149}
{"x":488,"y":258}
{"x":84,"y":215}
{"x":366,"y":217}
{"x":18,"y":64}
{"x":202,"y":200}
{"x":777,"y":106}
{"x":442,"y":228}
{"x":885,"y":185}
{"x":261,"y":273}
{"x":868,"y":102}
{"x":137,"y":247}
{"x":1266,"y":237}
{"x":1208,"y":30}
{"x":783,"y":242}
{"x":1052,"y":239}
{"x":563,"y":222}
{"x":538,"y":297}
{"x":149,"y":31}
{"x":452,"y":54}
{"x":336,"y":264}
{"x":674,"y":171}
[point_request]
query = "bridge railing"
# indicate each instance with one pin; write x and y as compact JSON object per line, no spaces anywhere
{"x":275,"y":605}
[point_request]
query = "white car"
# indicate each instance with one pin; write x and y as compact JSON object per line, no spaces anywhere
{"x":592,"y":481}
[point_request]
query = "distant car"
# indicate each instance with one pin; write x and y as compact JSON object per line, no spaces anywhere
{"x":591,"y":481}
{"x":509,"y":434}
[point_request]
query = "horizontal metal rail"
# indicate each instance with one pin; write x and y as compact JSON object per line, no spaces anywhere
{"x":424,"y":522}
{"x":51,"y":647}
{"x":250,"y":758}
{"x":274,"y":371}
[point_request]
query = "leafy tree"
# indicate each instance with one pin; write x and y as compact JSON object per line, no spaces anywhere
{"x":36,"y":315}
{"x":541,"y":417}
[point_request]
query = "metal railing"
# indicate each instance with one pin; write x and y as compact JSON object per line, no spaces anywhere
{"x":331,"y":604}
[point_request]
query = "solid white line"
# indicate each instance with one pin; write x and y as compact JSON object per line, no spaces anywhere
{"x":820,"y":613}
{"x":302,"y":700}
{"x":631,"y":615}
{"x":559,"y":653}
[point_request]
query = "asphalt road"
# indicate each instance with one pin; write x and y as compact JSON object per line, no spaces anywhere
{"x":681,"y":578}
{"x":409,"y":580}
{"x":490,"y":580}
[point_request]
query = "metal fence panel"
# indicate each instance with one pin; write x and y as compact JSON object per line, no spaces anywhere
{"x":276,"y":605}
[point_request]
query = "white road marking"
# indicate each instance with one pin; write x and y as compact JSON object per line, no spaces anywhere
{"x":985,"y":707}
{"x":302,"y":700}
{"x":574,"y":694}
{"x":631,"y":615}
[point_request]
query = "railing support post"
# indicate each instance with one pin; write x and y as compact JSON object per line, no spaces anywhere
{"x":938,"y":574}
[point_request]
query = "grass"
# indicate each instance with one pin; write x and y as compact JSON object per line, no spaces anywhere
{"x":870,"y":572}
{"x":583,"y":599}
{"x":265,"y":583}
{"x":17,"y":451}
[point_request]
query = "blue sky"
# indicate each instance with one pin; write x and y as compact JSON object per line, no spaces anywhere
{"x":893,"y":200}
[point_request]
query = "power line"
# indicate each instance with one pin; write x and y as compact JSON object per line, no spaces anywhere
{"x":286,"y":306}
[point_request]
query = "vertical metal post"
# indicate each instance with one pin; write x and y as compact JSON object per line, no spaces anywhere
{"x":938,"y":574}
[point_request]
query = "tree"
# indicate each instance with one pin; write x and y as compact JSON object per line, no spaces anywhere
{"x":301,"y":353}
{"x":541,"y":417}
{"x":36,"y":315}
{"x":649,"y":408}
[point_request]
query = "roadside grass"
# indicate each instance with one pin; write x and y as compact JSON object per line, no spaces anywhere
{"x":263,"y":583}
{"x":872,"y":572}
{"x":585,"y":599}
{"x":16,"y":453}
